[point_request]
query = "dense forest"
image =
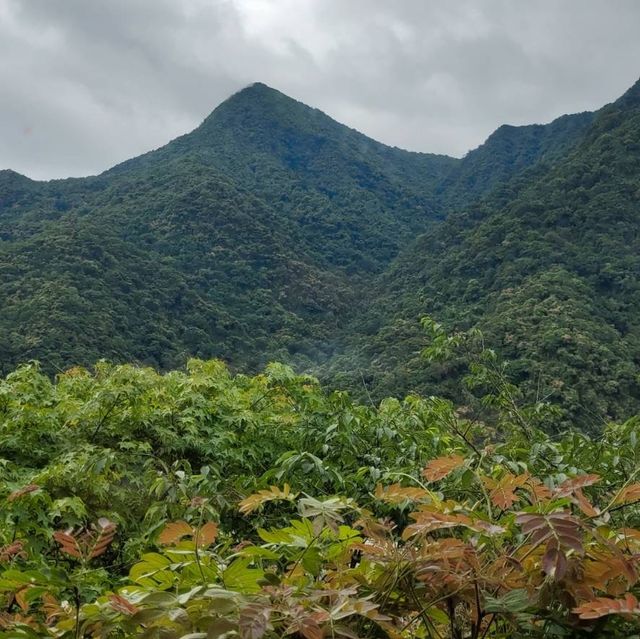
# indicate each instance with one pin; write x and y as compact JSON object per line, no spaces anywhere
{"x":272,"y":232}
{"x":449,"y":447}
{"x":547,"y":266}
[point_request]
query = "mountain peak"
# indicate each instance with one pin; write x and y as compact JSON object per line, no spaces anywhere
{"x":631,"y":96}
{"x":256,"y":87}
{"x":263,"y":115}
{"x":11,"y":174}
{"x":257,"y":93}
{"x":8,"y":176}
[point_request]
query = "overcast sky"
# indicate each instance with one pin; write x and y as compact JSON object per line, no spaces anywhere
{"x":85,"y":84}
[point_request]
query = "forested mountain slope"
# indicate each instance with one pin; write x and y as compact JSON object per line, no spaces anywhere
{"x":260,"y":236}
{"x":246,"y":239}
{"x":547,"y":266}
{"x":509,"y":151}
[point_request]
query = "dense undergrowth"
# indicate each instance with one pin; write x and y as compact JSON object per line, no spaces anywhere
{"x":201,"y":504}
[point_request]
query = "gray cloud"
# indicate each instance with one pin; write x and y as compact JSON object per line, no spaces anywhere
{"x":84,"y":85}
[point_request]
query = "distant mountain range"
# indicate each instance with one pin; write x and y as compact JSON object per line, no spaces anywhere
{"x":274,"y":232}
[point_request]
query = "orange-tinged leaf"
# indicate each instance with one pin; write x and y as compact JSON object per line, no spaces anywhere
{"x":52,"y":607}
{"x":174,"y":532}
{"x":503,"y":493}
{"x":604,"y":568}
{"x":576,"y":483}
{"x":21,"y":598}
{"x":397,"y":494}
{"x":206,"y":534}
{"x":439,"y":468}
{"x":603,"y":606}
{"x":427,"y":522}
{"x":596,"y":574}
{"x":628,"y":494}
{"x":122,"y":605}
{"x":584,"y":504}
{"x":252,"y":502}
{"x":538,"y":490}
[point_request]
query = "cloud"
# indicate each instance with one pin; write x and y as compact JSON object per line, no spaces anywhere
{"x":88,"y":84}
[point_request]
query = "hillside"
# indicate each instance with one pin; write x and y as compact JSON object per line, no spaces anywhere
{"x":273,"y":232}
{"x":201,"y":502}
{"x":547,"y":266}
{"x":244,"y":239}
{"x":247,"y":239}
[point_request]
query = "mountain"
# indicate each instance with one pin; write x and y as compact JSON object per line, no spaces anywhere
{"x":509,"y":151}
{"x":246,"y":239}
{"x":272,"y":231}
{"x":547,"y":266}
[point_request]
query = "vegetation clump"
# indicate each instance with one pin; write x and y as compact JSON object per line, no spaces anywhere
{"x":201,"y":504}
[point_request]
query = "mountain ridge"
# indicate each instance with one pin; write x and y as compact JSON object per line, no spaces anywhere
{"x":260,"y":88}
{"x":545,"y":266}
{"x":271,"y":231}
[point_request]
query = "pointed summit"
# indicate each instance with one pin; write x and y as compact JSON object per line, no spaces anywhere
{"x":10,"y":180}
{"x":631,"y":97}
{"x":262,"y":121}
{"x":255,"y":93}
{"x":10,"y":174}
{"x":259,"y":107}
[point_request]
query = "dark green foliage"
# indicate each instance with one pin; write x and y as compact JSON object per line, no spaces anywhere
{"x":548,"y":268}
{"x":245,"y":239}
{"x":272,"y":231}
{"x":199,"y":503}
{"x":508,"y":151}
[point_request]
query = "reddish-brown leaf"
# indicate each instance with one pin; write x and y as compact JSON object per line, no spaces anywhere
{"x":503,"y":493}
{"x":575,"y":483}
{"x":554,"y":563}
{"x":310,"y":629}
{"x":439,"y":468}
{"x":105,"y":532}
{"x":584,"y":504}
{"x":122,"y":605}
{"x":68,"y":544}
{"x":603,"y":606}
{"x":254,"y":621}
{"x":560,"y":526}
{"x":25,"y":490}
{"x":174,"y":532}
{"x":16,"y":549}
{"x":307,"y":626}
{"x":538,"y":490}
{"x":206,"y":534}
